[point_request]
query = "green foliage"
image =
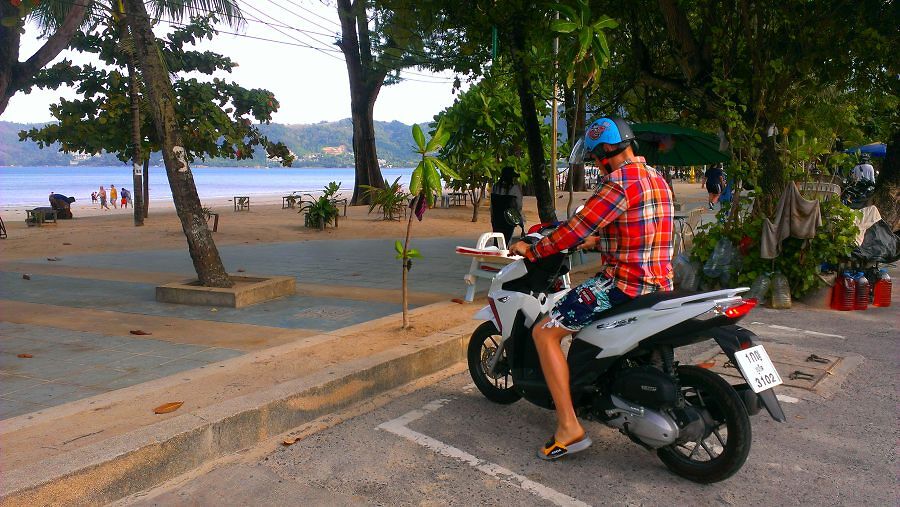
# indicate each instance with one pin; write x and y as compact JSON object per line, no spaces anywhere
{"x":389,"y":199}
{"x":585,"y":51}
{"x":216,"y":117}
{"x":321,"y":211}
{"x":412,"y":253}
{"x":425,"y":181}
{"x":799,"y":260}
{"x":487,"y":133}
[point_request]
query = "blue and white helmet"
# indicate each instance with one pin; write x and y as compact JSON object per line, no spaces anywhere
{"x":612,"y":131}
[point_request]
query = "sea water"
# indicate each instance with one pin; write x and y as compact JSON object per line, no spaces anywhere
{"x":30,"y":186}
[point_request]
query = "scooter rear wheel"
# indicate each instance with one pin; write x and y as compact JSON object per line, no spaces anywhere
{"x":722,"y":451}
{"x":482,"y":347}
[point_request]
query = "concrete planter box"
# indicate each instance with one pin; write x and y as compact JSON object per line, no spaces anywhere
{"x":247,"y":290}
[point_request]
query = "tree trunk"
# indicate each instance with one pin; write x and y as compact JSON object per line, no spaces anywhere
{"x":14,"y":75}
{"x":366,"y":80}
{"x":887,"y":186}
{"x":201,"y":246}
{"x":146,"y":185}
{"x":134,"y":95}
{"x":576,"y":130}
{"x":546,"y":203}
{"x":136,"y":157}
{"x":477,"y":196}
{"x":404,"y":296}
{"x":772,"y":177}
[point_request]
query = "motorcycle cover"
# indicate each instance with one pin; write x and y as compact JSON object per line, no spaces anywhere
{"x":879,"y":245}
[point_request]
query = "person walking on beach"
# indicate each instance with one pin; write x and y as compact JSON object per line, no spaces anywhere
{"x":102,"y":195}
{"x":113,"y":196}
{"x":714,"y":181}
{"x":93,"y":197}
{"x":126,"y":197}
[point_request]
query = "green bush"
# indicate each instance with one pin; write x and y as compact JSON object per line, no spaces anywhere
{"x":800,"y":260}
{"x":389,"y":199}
{"x":321,"y":211}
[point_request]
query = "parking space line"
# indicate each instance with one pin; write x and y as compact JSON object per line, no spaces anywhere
{"x":796,"y":330}
{"x":398,"y":427}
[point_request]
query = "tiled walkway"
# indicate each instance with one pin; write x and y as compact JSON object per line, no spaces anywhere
{"x":69,"y":365}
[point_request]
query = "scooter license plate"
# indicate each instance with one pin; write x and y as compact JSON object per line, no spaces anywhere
{"x":757,"y":368}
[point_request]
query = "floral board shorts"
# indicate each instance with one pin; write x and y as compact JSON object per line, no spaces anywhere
{"x":584,"y":303}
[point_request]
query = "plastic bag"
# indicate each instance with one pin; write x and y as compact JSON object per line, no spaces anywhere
{"x":680,"y":265}
{"x":759,"y":289}
{"x":781,"y":292}
{"x":880,"y":244}
{"x":721,"y":259}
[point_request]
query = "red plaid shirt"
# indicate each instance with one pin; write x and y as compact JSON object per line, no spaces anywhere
{"x":632,"y":210}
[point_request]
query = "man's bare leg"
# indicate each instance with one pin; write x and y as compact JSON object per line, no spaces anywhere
{"x":548,"y":339}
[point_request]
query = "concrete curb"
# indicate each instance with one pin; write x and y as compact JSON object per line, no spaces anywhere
{"x":136,"y":461}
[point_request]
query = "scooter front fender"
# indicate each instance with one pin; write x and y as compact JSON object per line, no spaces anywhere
{"x":486,"y":314}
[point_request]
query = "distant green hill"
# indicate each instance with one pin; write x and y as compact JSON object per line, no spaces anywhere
{"x":316,"y":145}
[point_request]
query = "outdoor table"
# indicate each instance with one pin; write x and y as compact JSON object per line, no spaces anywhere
{"x":241,"y":203}
{"x":215,"y":217}
{"x":459,"y":199}
{"x":39,"y":217}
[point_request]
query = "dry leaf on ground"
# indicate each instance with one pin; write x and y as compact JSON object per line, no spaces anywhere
{"x":290,"y":441}
{"x":25,"y":356}
{"x":458,"y":301}
{"x":26,"y":276}
{"x":139,"y":332}
{"x":165,"y":408}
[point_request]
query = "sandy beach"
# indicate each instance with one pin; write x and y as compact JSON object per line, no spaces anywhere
{"x":94,"y":230}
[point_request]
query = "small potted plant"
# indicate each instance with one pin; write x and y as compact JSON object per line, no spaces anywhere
{"x":321,"y":211}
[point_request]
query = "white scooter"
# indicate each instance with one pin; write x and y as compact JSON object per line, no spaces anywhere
{"x":623,"y":371}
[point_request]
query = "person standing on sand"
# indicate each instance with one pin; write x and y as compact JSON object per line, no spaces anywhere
{"x":102,"y":195}
{"x":714,"y":181}
{"x":113,"y":196}
{"x":93,"y":197}
{"x":126,"y":197}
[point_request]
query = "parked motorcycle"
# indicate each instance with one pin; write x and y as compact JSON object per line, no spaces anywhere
{"x":623,"y":370}
{"x":857,"y":195}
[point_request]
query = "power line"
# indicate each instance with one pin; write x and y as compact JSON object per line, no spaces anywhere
{"x":325,"y":51}
{"x":313,"y":13}
{"x":298,"y":15}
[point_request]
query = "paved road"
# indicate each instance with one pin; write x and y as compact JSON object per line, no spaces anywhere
{"x":446,"y":445}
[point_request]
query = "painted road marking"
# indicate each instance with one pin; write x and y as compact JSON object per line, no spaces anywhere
{"x":796,"y":330}
{"x":398,"y":427}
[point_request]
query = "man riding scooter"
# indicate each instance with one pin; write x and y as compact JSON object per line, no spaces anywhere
{"x":631,"y":211}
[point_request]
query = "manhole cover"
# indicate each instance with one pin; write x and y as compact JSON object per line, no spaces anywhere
{"x":325,"y":312}
{"x":800,"y":368}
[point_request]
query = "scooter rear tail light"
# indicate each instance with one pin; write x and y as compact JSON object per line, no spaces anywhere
{"x":740,"y":309}
{"x":496,"y":314}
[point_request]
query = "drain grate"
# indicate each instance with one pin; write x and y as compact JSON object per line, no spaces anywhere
{"x":800,"y":368}
{"x":326,"y":312}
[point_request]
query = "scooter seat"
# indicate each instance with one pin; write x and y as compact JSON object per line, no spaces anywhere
{"x":646,"y":301}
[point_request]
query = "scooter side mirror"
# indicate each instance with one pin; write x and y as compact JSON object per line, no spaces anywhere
{"x":514,"y":218}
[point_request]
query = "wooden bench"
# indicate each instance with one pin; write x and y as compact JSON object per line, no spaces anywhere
{"x":291,"y":200}
{"x":215,"y":217}
{"x":39,"y":217}
{"x":241,"y":203}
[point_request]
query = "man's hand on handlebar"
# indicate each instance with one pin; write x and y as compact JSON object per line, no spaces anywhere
{"x":518,"y":248}
{"x":589,"y":243}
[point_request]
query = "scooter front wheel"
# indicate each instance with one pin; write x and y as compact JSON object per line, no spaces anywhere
{"x":483,"y":345}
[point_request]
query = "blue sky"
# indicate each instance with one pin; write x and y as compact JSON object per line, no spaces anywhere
{"x":311,"y":85}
